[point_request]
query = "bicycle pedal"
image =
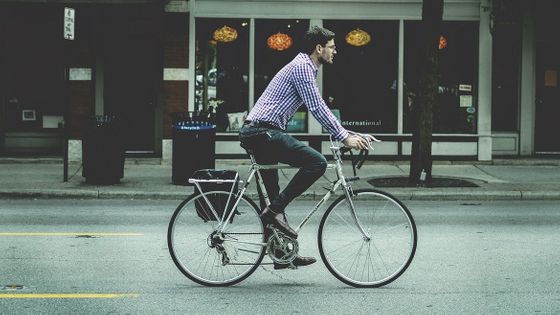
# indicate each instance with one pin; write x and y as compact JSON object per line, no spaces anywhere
{"x":291,"y":266}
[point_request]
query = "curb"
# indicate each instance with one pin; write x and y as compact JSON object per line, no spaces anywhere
{"x":540,"y":195}
{"x":48,"y":194}
{"x":409,"y":194}
{"x":143,"y":195}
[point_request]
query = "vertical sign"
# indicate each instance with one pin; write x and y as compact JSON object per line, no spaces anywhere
{"x":69,"y":23}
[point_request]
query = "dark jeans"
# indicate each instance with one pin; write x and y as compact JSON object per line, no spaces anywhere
{"x":271,"y":146}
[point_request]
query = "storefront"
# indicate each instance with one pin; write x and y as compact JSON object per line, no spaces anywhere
{"x":113,"y":67}
{"x":144,"y":60}
{"x":371,"y":84}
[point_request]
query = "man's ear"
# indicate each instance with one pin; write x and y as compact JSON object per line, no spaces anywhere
{"x":318,"y":48}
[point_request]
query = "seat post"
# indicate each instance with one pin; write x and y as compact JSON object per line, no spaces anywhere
{"x":261,"y":188}
{"x":253,"y":159}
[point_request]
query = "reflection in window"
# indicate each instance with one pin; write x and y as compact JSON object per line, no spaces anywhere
{"x":276,"y":44}
{"x":222,"y":67}
{"x":455,"y":110}
{"x":361,"y":82}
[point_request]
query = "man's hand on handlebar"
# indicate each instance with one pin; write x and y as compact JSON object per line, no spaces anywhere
{"x":359,"y":141}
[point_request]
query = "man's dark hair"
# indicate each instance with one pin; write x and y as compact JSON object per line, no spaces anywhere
{"x":315,"y":35}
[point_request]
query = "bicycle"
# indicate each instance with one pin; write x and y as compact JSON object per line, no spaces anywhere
{"x":366,"y":238}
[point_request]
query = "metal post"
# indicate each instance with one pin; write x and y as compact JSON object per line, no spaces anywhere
{"x":68,"y":27}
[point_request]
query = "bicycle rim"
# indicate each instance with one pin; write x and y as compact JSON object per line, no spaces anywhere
{"x":191,"y":248}
{"x":362,"y":262}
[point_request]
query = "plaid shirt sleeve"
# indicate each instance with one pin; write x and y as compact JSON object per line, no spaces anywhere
{"x":306,"y":87}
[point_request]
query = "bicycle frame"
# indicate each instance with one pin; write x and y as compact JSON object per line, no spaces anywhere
{"x":255,"y":169}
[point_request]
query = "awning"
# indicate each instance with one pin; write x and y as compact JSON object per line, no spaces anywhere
{"x":88,"y":1}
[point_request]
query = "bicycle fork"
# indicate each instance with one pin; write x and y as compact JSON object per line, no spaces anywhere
{"x":350,"y":204}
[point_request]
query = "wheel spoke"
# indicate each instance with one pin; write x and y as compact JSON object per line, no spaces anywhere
{"x":348,"y":224}
{"x":380,"y":258}
{"x":344,"y":246}
{"x":377,"y":260}
{"x":194,"y":243}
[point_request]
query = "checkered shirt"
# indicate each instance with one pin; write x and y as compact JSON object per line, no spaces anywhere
{"x":292,"y":86}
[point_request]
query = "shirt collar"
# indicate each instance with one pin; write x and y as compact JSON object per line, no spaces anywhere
{"x":309,"y":61}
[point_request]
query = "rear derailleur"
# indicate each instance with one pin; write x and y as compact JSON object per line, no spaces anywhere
{"x":216,"y":240}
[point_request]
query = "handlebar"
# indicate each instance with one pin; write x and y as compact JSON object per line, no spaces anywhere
{"x":359,"y":160}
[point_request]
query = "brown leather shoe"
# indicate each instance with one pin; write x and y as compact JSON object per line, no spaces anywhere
{"x":299,"y":261}
{"x":278,"y":221}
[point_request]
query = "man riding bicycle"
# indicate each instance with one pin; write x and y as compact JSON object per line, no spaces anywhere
{"x":264,"y":135}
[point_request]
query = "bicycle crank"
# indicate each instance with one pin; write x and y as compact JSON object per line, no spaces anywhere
{"x":282,"y":249}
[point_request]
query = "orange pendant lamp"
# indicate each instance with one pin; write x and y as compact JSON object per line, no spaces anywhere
{"x":279,"y":41}
{"x":358,"y":38}
{"x":225,"y":34}
{"x":442,"y":42}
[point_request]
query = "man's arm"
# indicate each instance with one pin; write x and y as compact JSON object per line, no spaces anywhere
{"x":306,"y":86}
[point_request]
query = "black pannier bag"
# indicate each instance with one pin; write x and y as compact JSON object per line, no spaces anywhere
{"x":218,"y":201}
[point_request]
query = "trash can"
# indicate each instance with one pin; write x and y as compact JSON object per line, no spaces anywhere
{"x":103,"y":150}
{"x":194,"y":138}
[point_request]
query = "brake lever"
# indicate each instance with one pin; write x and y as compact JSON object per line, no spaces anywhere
{"x":370,"y":143}
{"x":361,"y":158}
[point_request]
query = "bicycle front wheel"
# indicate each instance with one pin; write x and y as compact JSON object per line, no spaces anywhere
{"x":210,"y":257}
{"x":374,"y":259}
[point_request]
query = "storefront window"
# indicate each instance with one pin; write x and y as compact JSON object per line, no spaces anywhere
{"x":456,"y":107}
{"x":506,"y":60}
{"x":31,"y":71}
{"x":277,"y":42}
{"x":361,"y":84}
{"x":222,"y":69}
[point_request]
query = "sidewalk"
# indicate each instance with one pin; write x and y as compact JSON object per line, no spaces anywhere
{"x":502,"y":179}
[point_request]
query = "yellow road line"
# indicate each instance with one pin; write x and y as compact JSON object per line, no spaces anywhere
{"x":67,"y":234}
{"x":67,"y":295}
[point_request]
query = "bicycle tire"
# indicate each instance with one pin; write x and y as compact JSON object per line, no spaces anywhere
{"x":188,"y":249}
{"x":386,"y":219}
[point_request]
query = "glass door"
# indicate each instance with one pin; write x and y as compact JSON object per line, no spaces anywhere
{"x":548,"y":99}
{"x":132,"y":59}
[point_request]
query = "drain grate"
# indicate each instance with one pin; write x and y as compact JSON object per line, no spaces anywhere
{"x":400,"y":181}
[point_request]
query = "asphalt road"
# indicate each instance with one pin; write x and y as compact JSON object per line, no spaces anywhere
{"x":110,"y":257}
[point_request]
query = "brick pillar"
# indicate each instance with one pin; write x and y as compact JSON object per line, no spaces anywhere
{"x":175,"y":73}
{"x":79,"y":59}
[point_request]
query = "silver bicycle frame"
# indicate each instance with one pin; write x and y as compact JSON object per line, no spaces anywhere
{"x":255,"y":169}
{"x":341,"y":181}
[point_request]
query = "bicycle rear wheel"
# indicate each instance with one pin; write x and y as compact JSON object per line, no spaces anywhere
{"x":211,"y":258}
{"x":377,"y":259}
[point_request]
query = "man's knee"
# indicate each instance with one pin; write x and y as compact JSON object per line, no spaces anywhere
{"x":319,"y":165}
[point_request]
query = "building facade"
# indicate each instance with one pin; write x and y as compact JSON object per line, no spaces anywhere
{"x":143,"y":61}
